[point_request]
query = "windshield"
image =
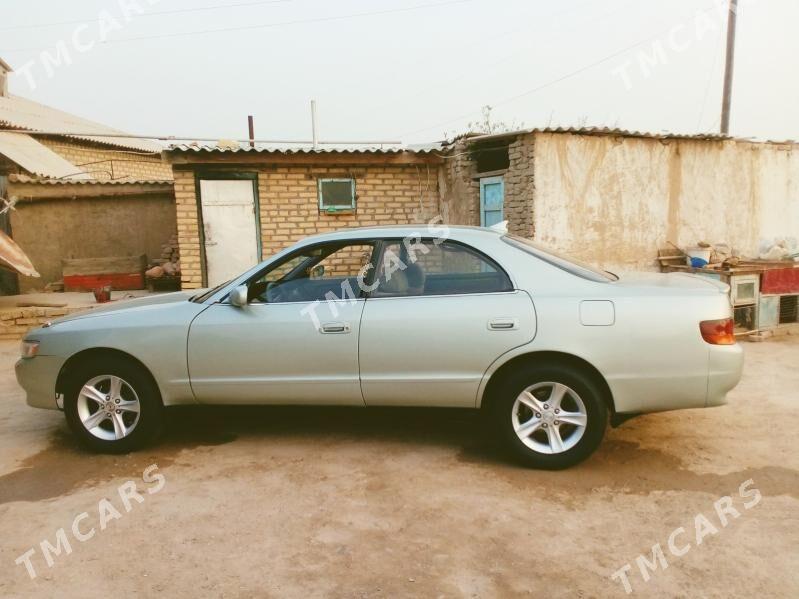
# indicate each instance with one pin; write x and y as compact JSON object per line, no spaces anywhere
{"x":575,"y":267}
{"x":200,"y":298}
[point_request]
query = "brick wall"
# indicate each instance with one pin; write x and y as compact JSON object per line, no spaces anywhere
{"x":386,"y":195}
{"x":101,"y":161}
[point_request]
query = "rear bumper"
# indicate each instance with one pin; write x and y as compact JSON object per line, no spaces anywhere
{"x":725,"y":368}
{"x":37,"y":376}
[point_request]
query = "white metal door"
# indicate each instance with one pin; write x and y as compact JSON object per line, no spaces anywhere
{"x":229,"y":228}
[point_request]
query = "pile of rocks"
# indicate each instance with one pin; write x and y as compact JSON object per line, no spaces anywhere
{"x":169,"y":262}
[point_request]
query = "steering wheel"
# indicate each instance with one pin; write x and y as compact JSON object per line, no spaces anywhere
{"x":274,"y":293}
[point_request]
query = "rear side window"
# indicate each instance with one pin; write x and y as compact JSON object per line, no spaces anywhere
{"x":570,"y":265}
{"x":430,"y":268}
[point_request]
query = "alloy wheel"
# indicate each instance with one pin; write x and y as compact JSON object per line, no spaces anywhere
{"x":549,"y":417}
{"x":108,"y":407}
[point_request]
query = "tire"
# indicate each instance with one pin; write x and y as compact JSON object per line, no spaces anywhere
{"x":106,"y":419}
{"x":535,"y":390}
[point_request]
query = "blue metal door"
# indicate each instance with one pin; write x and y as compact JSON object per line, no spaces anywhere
{"x":492,"y":199}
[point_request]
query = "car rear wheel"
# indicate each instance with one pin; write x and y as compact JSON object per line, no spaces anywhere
{"x":550,"y":417}
{"x":112,"y":405}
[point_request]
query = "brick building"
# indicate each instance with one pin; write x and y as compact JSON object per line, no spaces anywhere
{"x":238,"y":205}
{"x":71,"y":188}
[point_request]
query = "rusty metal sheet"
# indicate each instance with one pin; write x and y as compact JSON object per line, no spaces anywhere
{"x":13,"y":258}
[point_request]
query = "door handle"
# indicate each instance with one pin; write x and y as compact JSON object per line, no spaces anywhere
{"x":503,"y":324}
{"x":334,"y":327}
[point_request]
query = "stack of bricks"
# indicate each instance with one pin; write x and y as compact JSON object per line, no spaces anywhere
{"x":15,"y":322}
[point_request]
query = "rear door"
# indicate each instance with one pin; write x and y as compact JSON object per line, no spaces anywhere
{"x":435,"y":323}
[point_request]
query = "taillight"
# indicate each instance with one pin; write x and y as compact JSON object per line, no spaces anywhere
{"x":718,"y":332}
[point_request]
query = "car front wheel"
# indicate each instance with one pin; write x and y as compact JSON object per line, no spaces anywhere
{"x":112,"y":405}
{"x":550,"y":417}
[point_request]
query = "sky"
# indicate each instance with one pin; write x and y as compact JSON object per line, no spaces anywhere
{"x":412,"y":71}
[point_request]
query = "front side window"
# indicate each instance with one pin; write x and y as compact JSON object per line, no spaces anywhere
{"x":332,"y":271}
{"x":336,"y":194}
{"x":406,"y":268}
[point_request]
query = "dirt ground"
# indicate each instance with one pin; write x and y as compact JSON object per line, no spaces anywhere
{"x":388,"y":503}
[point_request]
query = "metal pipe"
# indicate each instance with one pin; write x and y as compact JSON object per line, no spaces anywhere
{"x":251,"y":127}
{"x":313,"y":125}
{"x":210,"y":139}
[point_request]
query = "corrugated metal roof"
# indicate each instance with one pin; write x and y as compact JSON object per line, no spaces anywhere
{"x":37,"y":158}
{"x":261,"y":149}
{"x":21,"y":113}
{"x":476,"y":137}
{"x":15,"y":178}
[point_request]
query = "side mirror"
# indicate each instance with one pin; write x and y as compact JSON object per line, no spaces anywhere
{"x":238,"y":297}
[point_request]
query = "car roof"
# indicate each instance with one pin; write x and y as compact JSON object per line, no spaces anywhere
{"x":440,"y":230}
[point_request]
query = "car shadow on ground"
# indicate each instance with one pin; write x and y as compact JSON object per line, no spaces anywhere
{"x":620,"y":465}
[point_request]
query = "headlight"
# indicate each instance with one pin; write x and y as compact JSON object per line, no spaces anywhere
{"x":29,"y":349}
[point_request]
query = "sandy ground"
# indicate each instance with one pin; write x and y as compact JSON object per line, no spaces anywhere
{"x":356,"y":503}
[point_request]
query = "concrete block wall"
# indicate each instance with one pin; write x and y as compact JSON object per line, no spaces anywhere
{"x":125,"y":163}
{"x":289,"y":205}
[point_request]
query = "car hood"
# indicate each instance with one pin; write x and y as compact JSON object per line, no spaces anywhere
{"x":126,"y":305}
{"x":679,"y":282}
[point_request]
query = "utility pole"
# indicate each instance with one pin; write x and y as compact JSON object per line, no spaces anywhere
{"x":729,"y":67}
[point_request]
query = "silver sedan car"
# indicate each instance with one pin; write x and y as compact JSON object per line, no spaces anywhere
{"x":547,"y":348}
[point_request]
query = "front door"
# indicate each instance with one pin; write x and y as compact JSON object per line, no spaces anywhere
{"x":295,"y":342}
{"x":492,"y":201}
{"x":230,"y":230}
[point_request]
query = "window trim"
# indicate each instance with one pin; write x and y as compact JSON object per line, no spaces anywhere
{"x":342,"y":243}
{"x":378,"y":256}
{"x":337,"y":207}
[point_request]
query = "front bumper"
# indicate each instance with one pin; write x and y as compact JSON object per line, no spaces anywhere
{"x":725,"y":368}
{"x":37,"y":376}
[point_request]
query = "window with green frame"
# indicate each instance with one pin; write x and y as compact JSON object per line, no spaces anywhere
{"x":336,"y":194}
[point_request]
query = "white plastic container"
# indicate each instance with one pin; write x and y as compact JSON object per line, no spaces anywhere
{"x":697,"y":252}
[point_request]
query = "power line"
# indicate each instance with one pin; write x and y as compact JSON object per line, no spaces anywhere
{"x":711,"y":73}
{"x":289,"y":23}
{"x":554,"y":81}
{"x":266,"y":25}
{"x":151,"y":14}
{"x":423,"y":90}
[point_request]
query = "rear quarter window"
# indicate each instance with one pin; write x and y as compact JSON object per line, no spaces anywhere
{"x":570,"y":265}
